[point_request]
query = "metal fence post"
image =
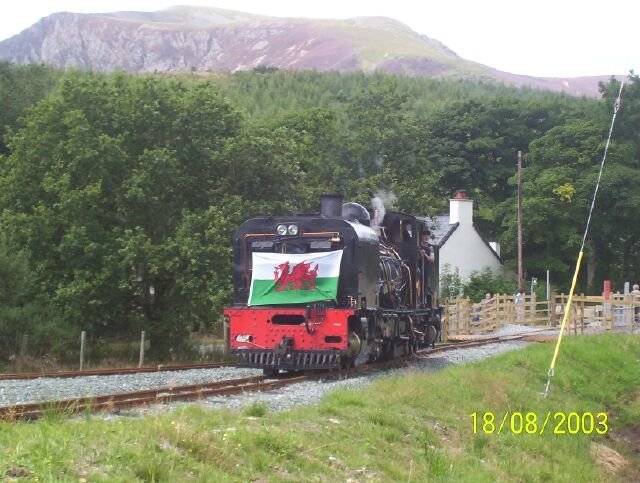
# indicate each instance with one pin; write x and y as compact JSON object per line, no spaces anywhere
{"x":23,"y":347}
{"x":23,"y":353}
{"x":141,"y":361}
{"x":225,"y":335}
{"x":83,"y":337}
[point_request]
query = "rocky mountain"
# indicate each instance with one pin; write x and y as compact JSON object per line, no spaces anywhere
{"x":209,"y":39}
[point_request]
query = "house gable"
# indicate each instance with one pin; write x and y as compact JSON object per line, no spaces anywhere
{"x":460,"y":244}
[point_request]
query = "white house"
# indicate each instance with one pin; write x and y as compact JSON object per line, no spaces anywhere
{"x":460,"y":245}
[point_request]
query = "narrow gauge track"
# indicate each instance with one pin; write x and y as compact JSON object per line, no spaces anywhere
{"x":112,"y":402}
{"x":113,"y":372}
{"x":228,"y":387}
{"x":479,"y":342}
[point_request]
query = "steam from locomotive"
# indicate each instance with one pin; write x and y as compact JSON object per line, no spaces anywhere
{"x":337,"y":289}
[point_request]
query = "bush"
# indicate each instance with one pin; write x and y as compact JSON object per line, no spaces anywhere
{"x":26,"y":311}
{"x":450,"y":282}
{"x":486,"y":281}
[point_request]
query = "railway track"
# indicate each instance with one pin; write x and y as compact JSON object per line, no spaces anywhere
{"x":161,"y":395}
{"x":479,"y":342}
{"x":114,"y":402}
{"x":112,"y":372}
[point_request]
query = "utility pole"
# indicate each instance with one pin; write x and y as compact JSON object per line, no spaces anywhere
{"x":520,"y":275}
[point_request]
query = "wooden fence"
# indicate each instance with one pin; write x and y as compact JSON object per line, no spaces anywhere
{"x":461,"y":316}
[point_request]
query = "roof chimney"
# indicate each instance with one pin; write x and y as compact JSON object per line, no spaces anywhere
{"x":461,"y":209}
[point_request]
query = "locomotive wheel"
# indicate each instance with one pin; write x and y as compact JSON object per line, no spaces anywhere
{"x":270,"y":372}
{"x":431,"y":335}
{"x":354,"y":345}
{"x":437,"y":323}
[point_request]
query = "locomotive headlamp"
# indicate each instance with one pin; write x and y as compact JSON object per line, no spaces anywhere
{"x":244,"y":338}
{"x":293,"y":230}
{"x":281,"y":229}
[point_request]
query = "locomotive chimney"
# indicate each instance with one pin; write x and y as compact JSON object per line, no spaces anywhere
{"x":331,"y":205}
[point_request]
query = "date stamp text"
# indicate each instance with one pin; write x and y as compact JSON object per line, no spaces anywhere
{"x":559,"y":422}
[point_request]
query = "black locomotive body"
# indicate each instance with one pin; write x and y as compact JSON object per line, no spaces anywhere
{"x":383,"y":303}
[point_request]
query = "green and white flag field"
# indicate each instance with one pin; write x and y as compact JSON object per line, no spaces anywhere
{"x":292,"y":278}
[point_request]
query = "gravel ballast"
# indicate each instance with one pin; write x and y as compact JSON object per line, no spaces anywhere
{"x":310,"y":392}
{"x":56,"y":389}
{"x":307,"y":392}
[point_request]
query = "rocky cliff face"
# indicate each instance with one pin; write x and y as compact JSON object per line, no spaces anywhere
{"x":107,"y":43}
{"x":204,"y":39}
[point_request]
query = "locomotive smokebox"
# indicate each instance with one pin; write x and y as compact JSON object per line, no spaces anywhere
{"x":331,"y":205}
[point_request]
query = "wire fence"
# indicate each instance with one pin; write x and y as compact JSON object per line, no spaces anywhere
{"x":461,"y":317}
{"x":19,"y":354}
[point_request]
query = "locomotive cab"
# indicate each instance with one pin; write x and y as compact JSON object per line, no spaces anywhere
{"x":403,"y":232}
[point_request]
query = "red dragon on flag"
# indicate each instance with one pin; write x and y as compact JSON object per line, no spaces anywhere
{"x":294,"y":278}
{"x":301,"y":276}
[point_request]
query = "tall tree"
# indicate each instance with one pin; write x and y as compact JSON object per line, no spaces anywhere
{"x":101,"y":177}
{"x":558,"y":186}
{"x":21,"y":86}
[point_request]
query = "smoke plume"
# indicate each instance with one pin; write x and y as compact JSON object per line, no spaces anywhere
{"x":378,"y":203}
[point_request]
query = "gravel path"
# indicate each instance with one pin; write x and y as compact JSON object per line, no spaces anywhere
{"x":308,"y":392}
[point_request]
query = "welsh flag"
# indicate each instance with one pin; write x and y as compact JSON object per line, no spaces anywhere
{"x":292,"y":278}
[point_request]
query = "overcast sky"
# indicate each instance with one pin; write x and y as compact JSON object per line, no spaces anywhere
{"x":545,"y":38}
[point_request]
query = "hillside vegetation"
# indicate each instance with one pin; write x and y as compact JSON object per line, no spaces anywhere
{"x":415,"y":427}
{"x":119,"y":193}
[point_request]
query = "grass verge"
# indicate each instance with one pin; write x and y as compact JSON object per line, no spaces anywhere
{"x":412,"y":428}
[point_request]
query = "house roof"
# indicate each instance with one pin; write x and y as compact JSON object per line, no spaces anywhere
{"x":488,"y":244}
{"x":441,"y":230}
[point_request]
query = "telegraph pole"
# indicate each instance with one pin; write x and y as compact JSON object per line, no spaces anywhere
{"x":520,"y":275}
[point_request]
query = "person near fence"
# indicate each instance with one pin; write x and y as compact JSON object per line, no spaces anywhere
{"x":486,"y":304}
{"x":482,"y":308}
{"x":519,"y":303}
{"x":635,"y":297}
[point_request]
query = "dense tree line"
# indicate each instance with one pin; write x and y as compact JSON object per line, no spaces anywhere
{"x":20,"y":88}
{"x":119,"y":193}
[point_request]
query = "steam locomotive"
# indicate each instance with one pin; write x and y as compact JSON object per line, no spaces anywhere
{"x":331,"y":290}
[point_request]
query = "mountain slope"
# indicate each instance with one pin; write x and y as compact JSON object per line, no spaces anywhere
{"x":209,"y":39}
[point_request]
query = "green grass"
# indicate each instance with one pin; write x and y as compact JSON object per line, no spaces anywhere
{"x":414,"y":428}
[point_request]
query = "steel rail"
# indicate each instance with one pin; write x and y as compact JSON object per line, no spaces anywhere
{"x":112,"y":372}
{"x":113,"y":402}
{"x":118,"y":401}
{"x":479,"y":342}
